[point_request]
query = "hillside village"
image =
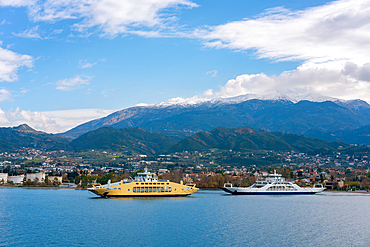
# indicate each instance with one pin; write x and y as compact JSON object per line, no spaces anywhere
{"x":28,"y":167}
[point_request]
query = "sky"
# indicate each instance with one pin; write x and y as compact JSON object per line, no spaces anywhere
{"x":65,"y":62}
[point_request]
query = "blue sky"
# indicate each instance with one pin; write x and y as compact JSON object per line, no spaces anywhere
{"x":66,"y":62}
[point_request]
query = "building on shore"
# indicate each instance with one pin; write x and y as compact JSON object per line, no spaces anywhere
{"x":17,"y":180}
{"x":334,"y":184}
{"x":39,"y":177}
{"x":3,"y":178}
{"x":58,"y":179}
{"x":68,"y":185}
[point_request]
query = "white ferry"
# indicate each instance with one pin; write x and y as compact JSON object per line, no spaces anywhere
{"x":275,"y":184}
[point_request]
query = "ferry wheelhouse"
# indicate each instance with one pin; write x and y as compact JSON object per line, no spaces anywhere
{"x":274,"y":184}
{"x":145,"y":184}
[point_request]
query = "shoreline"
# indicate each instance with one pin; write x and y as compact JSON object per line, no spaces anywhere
{"x":79,"y":188}
{"x":41,"y":187}
{"x":346,"y":191}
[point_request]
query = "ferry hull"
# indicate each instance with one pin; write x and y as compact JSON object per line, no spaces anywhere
{"x":139,"y":196}
{"x":142,"y":189}
{"x":270,"y":192}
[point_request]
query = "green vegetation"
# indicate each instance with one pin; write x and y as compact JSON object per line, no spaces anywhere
{"x":24,"y":136}
{"x":243,"y":139}
{"x":129,"y":140}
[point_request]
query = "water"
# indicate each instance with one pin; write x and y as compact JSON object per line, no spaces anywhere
{"x":64,"y":217}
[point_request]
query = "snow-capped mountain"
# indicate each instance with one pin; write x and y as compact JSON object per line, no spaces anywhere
{"x":295,"y":113}
{"x":295,"y":98}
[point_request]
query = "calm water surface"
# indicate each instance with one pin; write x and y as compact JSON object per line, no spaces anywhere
{"x":63,"y":217}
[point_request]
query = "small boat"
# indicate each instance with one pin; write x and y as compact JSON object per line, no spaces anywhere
{"x":275,"y":184}
{"x":145,"y":184}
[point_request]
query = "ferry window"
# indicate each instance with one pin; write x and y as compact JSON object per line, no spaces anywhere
{"x":175,"y":189}
{"x":146,"y":189}
{"x":119,"y":188}
{"x":166,"y":189}
{"x":142,"y":189}
{"x":162,"y":189}
{"x":150,"y":189}
{"x":128,"y":190}
{"x":154,"y":189}
{"x":137,"y":183}
{"x":134,"y":189}
{"x":168,"y":183}
{"x":169,"y":189}
{"x":146,"y":183}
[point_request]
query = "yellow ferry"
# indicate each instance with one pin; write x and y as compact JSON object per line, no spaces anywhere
{"x":145,"y":184}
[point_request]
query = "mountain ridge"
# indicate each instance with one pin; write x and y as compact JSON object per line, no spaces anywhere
{"x":140,"y":141}
{"x":25,"y":136}
{"x":276,"y":114}
{"x":246,"y":138}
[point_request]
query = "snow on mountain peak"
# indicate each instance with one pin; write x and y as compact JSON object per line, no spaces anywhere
{"x":293,"y":97}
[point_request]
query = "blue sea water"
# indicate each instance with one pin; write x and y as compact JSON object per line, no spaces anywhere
{"x":65,"y":217}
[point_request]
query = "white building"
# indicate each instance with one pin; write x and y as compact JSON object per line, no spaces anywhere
{"x":40,"y":177}
{"x":3,"y":178}
{"x":58,"y":178}
{"x":16,"y":179}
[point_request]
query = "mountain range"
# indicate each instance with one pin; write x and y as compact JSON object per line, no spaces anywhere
{"x":134,"y":140}
{"x":310,"y":115}
{"x":139,"y":141}
{"x":246,"y":138}
{"x":25,"y":136}
{"x":277,"y":122}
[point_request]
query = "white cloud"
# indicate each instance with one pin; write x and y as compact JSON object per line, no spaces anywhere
{"x":57,"y":31}
{"x":337,"y":31}
{"x":50,"y":121}
{"x":36,"y":120}
{"x":104,"y":93}
{"x":5,"y":95}
{"x":67,"y":119}
{"x":109,"y":16}
{"x":16,"y":3}
{"x":30,"y":33}
{"x":213,"y":73}
{"x":3,"y":118}
{"x":10,"y":62}
{"x":346,"y":81}
{"x":85,"y":64}
{"x":72,"y":83}
{"x":332,"y":41}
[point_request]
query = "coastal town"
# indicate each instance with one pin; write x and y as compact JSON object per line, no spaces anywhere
{"x":31,"y":167}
